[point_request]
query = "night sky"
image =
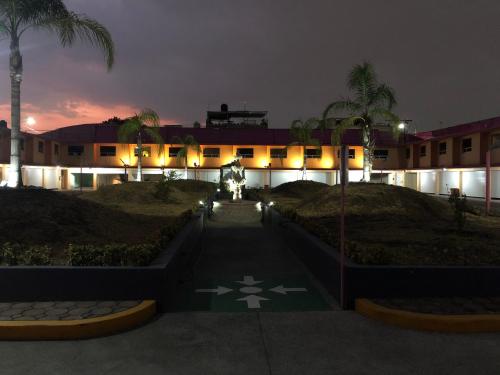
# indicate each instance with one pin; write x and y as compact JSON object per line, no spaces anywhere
{"x":290,"y":57}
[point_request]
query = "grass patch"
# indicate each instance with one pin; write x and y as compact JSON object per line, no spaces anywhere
{"x":390,"y":225}
{"x":109,"y":226}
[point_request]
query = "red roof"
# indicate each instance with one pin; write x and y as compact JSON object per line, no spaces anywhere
{"x":92,"y":133}
{"x":462,"y":130}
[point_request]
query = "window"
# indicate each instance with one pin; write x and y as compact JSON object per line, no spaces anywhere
{"x":352,"y":153}
{"x":313,"y":153}
{"x":279,"y":153}
{"x":408,"y":152}
{"x":467,"y":145}
{"x":146,"y":152}
{"x":56,"y":149}
{"x":75,"y":150}
{"x":495,"y":139}
{"x":211,"y":152}
{"x":108,"y":150}
{"x":174,"y":151}
{"x":380,"y":154}
{"x":22,"y":144}
{"x":84,"y":180}
{"x":442,"y":148}
{"x":423,"y":150}
{"x":245,"y":153}
{"x":40,"y":146}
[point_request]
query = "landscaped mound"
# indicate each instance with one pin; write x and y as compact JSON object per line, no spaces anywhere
{"x":115,"y":225}
{"x":388,"y":224}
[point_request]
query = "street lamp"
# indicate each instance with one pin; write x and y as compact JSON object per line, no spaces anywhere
{"x":125,"y":166}
{"x":270,"y":174}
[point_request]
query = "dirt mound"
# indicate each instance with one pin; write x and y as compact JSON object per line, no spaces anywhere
{"x":375,"y":199}
{"x":39,"y":216}
{"x":300,"y":189}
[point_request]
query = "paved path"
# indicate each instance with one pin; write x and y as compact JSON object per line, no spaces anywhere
{"x":253,"y":342}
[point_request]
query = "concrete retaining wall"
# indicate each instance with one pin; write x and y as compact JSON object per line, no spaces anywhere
{"x":157,"y":282}
{"x":382,"y":281}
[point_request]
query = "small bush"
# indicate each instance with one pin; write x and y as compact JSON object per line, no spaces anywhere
{"x":112,"y":255}
{"x":14,"y":254}
{"x":460,"y":208}
{"x":37,"y":255}
{"x":11,"y":253}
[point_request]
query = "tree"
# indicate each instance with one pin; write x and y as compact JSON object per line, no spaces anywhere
{"x":301,"y":133}
{"x":187,"y":143}
{"x":19,"y":16}
{"x":372,"y":104}
{"x":146,"y":122}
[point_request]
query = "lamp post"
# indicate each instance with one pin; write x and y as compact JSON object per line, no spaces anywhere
{"x":344,"y":157}
{"x":125,"y":166}
{"x":270,"y":174}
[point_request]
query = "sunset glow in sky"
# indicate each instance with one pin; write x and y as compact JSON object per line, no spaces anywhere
{"x":290,"y":57}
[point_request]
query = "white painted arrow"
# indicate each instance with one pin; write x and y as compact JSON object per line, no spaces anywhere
{"x":220,"y":290}
{"x":249,"y":280}
{"x":253,"y":301}
{"x":282,"y":290}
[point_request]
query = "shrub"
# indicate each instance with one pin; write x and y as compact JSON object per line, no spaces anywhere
{"x":111,"y":255}
{"x":459,"y":204}
{"x":37,"y":255}
{"x":11,"y":253}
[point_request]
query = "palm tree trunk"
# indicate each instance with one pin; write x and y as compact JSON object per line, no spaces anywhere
{"x":367,"y":160}
{"x":186,"y":167}
{"x":139,"y":157}
{"x":304,"y":164}
{"x":16,"y":76}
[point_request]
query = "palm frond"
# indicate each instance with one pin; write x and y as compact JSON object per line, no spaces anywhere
{"x":154,"y":134}
{"x":129,"y":128}
{"x":384,"y":96}
{"x":363,"y":81}
{"x":339,"y":130}
{"x":72,"y":26}
{"x":340,"y":107}
{"x":176,"y":140}
{"x":149,"y":117}
{"x":387,"y":116}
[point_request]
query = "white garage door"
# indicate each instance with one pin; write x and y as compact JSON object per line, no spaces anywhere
{"x":34,"y":177}
{"x":255,"y":179}
{"x":495,"y":184}
{"x":474,"y":183}
{"x":449,"y":180}
{"x":428,"y":182}
{"x":50,"y":179}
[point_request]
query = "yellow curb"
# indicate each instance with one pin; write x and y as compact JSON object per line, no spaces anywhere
{"x":429,"y":322}
{"x":78,"y":329}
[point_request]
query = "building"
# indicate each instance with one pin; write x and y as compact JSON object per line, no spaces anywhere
{"x":89,"y":156}
{"x":226,"y":119}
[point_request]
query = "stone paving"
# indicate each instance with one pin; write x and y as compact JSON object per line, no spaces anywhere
{"x":61,"y":310}
{"x":445,"y":306}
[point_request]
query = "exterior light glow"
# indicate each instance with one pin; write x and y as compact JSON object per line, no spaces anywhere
{"x":30,"y":121}
{"x":401,"y":126}
{"x":218,"y":190}
{"x":201,"y":203}
{"x":271,"y":203}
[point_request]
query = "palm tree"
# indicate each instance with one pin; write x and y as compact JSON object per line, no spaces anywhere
{"x":146,"y":122}
{"x":187,"y":143}
{"x":19,"y":16}
{"x":301,"y":133}
{"x":372,"y":103}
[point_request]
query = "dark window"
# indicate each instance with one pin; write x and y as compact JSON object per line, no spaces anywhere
{"x":423,"y":150}
{"x":146,"y":152}
{"x":442,"y":148}
{"x":313,"y":153}
{"x":174,"y":151}
{"x":381,"y":154}
{"x":40,"y":146}
{"x":56,"y":149}
{"x":467,"y":145}
{"x":245,"y":153}
{"x":75,"y":150}
{"x":278,"y":153}
{"x":408,"y":152}
{"x":108,"y":150}
{"x":84,"y":180}
{"x":22,"y":144}
{"x":352,"y":153}
{"x":211,"y":152}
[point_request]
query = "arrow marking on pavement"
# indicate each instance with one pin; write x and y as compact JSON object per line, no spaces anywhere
{"x":282,"y":290}
{"x":220,"y":290}
{"x":249,"y":280}
{"x":253,"y":301}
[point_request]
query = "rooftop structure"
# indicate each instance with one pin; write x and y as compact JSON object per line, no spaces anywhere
{"x":226,"y":119}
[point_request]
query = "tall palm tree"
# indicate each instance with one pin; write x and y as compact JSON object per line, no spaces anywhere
{"x":146,"y":122}
{"x":19,"y":16}
{"x":187,"y":143}
{"x":372,"y":103}
{"x":301,"y":133}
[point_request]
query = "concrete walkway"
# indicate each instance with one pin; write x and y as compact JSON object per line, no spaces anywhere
{"x":218,"y":341}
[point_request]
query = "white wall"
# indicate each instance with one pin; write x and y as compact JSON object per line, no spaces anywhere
{"x":355,"y":176}
{"x":33,"y":177}
{"x":495,"y":184}
{"x":318,"y":176}
{"x":428,"y":182}
{"x":281,"y":177}
{"x":449,"y":180}
{"x":474,"y":183}
{"x":51,"y":179}
{"x":255,"y":179}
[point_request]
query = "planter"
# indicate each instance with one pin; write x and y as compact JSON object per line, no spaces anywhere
{"x":366,"y":281}
{"x":154,"y":282}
